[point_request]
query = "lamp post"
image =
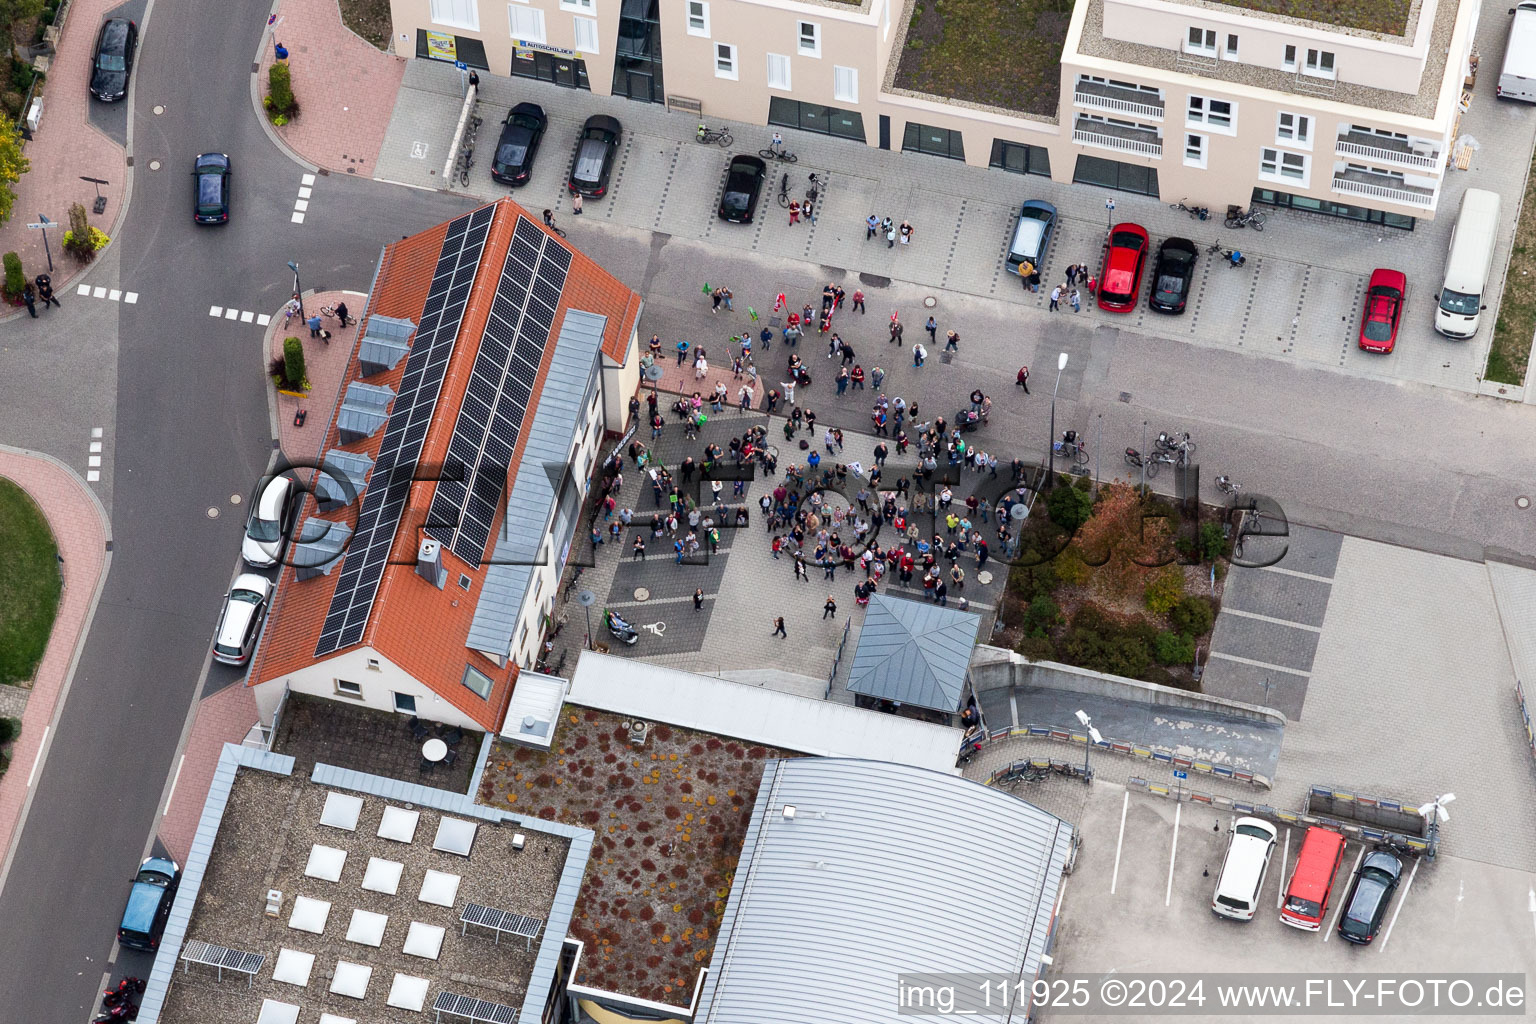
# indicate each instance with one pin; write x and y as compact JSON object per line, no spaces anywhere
{"x":1050,"y":442}
{"x":1146,"y":457}
{"x":1093,"y":739}
{"x":298,"y":291}
{"x":587,"y":599}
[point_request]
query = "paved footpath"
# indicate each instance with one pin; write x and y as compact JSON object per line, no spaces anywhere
{"x":82,"y":532}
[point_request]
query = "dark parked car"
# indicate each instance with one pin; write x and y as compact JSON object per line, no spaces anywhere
{"x":210,"y":188}
{"x":595,"y":149}
{"x":743,"y":183}
{"x":519,"y":144}
{"x":1031,"y":237}
{"x":112,"y":62}
{"x":1369,"y":896}
{"x":1172,"y":274}
{"x":1125,"y":257}
{"x":149,"y":903}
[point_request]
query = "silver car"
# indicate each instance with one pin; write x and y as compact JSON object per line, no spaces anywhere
{"x":245,"y":608}
{"x":272,"y":513}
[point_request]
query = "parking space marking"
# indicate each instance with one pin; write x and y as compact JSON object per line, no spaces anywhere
{"x":1114,"y":879}
{"x":1402,"y":898}
{"x":1271,"y":618}
{"x":1340,"y":911}
{"x":1285,"y":856}
{"x":1295,"y":572}
{"x":1173,"y":854}
{"x":1266,"y":665}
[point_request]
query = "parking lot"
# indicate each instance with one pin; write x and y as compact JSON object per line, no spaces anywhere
{"x":1139,"y":903}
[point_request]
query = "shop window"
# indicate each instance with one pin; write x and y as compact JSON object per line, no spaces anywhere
{"x":945,"y":142}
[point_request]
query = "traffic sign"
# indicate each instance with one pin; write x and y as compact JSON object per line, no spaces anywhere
{"x":1181,"y":775}
{"x":461,"y":65}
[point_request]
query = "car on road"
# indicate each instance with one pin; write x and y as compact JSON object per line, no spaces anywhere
{"x":743,"y":184}
{"x":1125,"y":257}
{"x":112,"y":62}
{"x":1172,"y":274}
{"x":150,"y":896}
{"x":595,"y":150}
{"x":1384,"y":298}
{"x":245,"y":607}
{"x":1249,"y":848}
{"x":521,"y":133}
{"x":1031,"y":236}
{"x":210,"y":188}
{"x":271,"y":522}
{"x":1369,"y":895}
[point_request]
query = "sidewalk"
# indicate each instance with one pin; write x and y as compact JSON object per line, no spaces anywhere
{"x":65,"y":146}
{"x":80,"y":528}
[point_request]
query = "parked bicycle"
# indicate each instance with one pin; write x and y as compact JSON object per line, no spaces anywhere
{"x":1152,"y":461}
{"x":818,"y":185}
{"x":1176,"y":444}
{"x":778,"y":153}
{"x":1226,"y":485}
{"x":466,"y":161}
{"x":330,"y":311}
{"x":719,"y":136}
{"x":1071,"y":447}
{"x":1236,"y":218}
{"x":784,"y":190}
{"x":1195,"y":212}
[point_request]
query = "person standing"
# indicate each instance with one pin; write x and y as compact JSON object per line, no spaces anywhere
{"x":871,"y":225}
{"x":1055,"y":299}
{"x":716,"y":297}
{"x":1093,"y":284}
{"x":576,"y":204}
{"x":30,"y":298}
{"x":639,"y":548}
{"x":725,"y":293}
{"x":858,"y":300}
{"x":1072,"y":275}
{"x":932,"y":327}
{"x":896,"y":329}
{"x":1076,"y":300}
{"x":847,"y":351}
{"x":1023,"y":379}
{"x":890,"y":234}
{"x":918,"y":355}
{"x":800,"y":569}
{"x":682,"y":351}
{"x":778,"y":628}
{"x":698,"y":598}
{"x":794,"y":212}
{"x":829,"y":610}
{"x":45,"y":290}
{"x":906,"y":233}
{"x":313,"y":323}
{"x":952,"y":342}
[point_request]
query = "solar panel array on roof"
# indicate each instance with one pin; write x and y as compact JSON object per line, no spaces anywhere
{"x":500,"y":388}
{"x":342,"y":478}
{"x":472,"y":1009}
{"x":395,"y":469}
{"x":363,"y":410}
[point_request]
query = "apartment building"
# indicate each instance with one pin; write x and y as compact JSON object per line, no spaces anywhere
{"x":1220,"y":103}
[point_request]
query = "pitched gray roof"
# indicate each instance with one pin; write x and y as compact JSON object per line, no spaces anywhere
{"x":363,"y":410}
{"x":320,"y":546}
{"x":913,"y":652}
{"x":383,"y":344}
{"x":345,"y":476}
{"x":531,"y":504}
{"x":884,"y":869}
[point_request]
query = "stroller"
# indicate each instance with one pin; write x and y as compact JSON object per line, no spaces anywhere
{"x":967,"y":421}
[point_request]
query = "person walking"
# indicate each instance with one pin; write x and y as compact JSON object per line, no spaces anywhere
{"x":29,"y":296}
{"x":918,"y":355}
{"x":877,"y":377}
{"x":45,"y":290}
{"x":698,"y":598}
{"x":1023,"y":379}
{"x":576,"y":204}
{"x":800,"y":569}
{"x":1076,"y":300}
{"x":847,"y":351}
{"x":952,"y":342}
{"x":716,"y":297}
{"x":1055,"y":299}
{"x":858,"y":300}
{"x":829,"y":610}
{"x":871,"y":225}
{"x":778,"y":628}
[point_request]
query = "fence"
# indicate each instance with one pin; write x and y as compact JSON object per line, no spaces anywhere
{"x":1160,"y":755}
{"x":837,"y":659}
{"x":1525,"y":716}
{"x":1392,"y":815}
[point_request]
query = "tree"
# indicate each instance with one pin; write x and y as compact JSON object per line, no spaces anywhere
{"x":13,"y":164}
{"x":1069,"y":508}
{"x":12,"y":11}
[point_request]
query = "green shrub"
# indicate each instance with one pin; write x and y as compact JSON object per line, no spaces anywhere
{"x":15,"y":277}
{"x":1192,"y":616}
{"x":280,"y":91}
{"x":1103,"y":644}
{"x":1174,"y":648}
{"x":1032,"y":581}
{"x":293,"y":364}
{"x":1068,"y":507}
{"x":1165,"y":590}
{"x":1071,"y":569}
{"x":1041,"y":616}
{"x":1036,"y":648}
{"x":5,"y":763}
{"x":1213,"y":542}
{"x":79,"y":240}
{"x":10,"y":728}
{"x":1083,"y":483}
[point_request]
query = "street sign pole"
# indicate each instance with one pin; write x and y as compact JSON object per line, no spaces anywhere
{"x":1109,"y":222}
{"x":1179,"y":790}
{"x":43,"y":225}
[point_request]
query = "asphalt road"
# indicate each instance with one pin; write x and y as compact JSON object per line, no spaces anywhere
{"x":191,"y":430}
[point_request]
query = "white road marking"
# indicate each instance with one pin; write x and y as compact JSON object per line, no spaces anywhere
{"x":97,"y":431}
{"x":93,"y":460}
{"x":1285,"y":854}
{"x":305,"y":192}
{"x":1273,"y":619}
{"x":308,"y":179}
{"x":95,"y":445}
{"x":1293,"y":572}
{"x":246,"y":316}
{"x":215,"y":310}
{"x":301,"y":204}
{"x":230,"y":314}
{"x":1173,"y":854}
{"x":92,"y":476}
{"x":1402,"y":897}
{"x":263,"y":320}
{"x":1340,"y":911}
{"x":1268,"y":665}
{"x":1115,"y":878}
{"x":94,"y":455}
{"x":297,"y":218}
{"x":98,"y":293}
{"x":131,"y":297}
{"x":115,"y":294}
{"x":39,"y":759}
{"x":174,"y":779}
{"x":84,"y":291}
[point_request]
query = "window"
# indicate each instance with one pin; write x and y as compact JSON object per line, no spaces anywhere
{"x":1020,"y":159}
{"x":586,"y":6}
{"x":1216,"y":114}
{"x":1274,"y":163}
{"x":1231,"y":51}
{"x":1320,"y":63}
{"x":921,"y":138}
{"x":810,"y":39}
{"x":464,"y":582}
{"x":778,"y":71}
{"x":698,"y":18}
{"x":346,"y":688}
{"x":586,"y":34}
{"x":725,"y":61}
{"x":1294,"y":129}
{"x":1194,"y":150}
{"x":373,"y":665}
{"x":845,"y":84}
{"x":1201,"y":40}
{"x":1329,"y":208}
{"x":1125,"y":177}
{"x":478,"y":682}
{"x":458,"y":13}
{"x":405,"y":703}
{"x":813,"y":117}
{"x":526,"y":23}
{"x":1288,"y":62}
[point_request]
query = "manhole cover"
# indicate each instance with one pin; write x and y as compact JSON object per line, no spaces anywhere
{"x":929,"y":301}
{"x":213,"y":511}
{"x":154,"y":165}
{"x":1522,"y":502}
{"x":984,"y":577}
{"x":1125,"y":396}
{"x":234,"y":499}
{"x":642,"y":594}
{"x":159,"y":109}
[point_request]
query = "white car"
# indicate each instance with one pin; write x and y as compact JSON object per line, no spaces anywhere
{"x":245,"y":608}
{"x":272,"y":514}
{"x":1249,"y":847}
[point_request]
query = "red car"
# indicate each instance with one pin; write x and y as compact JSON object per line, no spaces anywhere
{"x":1384,"y":298}
{"x":1125,"y":257}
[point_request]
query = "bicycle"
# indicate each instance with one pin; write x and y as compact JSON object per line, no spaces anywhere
{"x":1178,"y":444}
{"x":818,"y":185}
{"x":330,"y":311}
{"x":1153,"y":461}
{"x":1023,"y":771}
{"x":572,"y":585}
{"x":466,"y":161}
{"x":1236,"y":218}
{"x":1073,"y":450}
{"x":1195,"y":212}
{"x":784,"y":190}
{"x":720,"y":136}
{"x":1213,"y":247}
{"x":775,"y":153}
{"x":1226,"y":485}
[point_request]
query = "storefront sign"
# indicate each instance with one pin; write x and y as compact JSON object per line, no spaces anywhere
{"x":441,"y":46}
{"x":525,"y":49}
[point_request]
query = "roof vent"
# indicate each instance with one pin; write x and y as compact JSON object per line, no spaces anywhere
{"x":274,"y":902}
{"x":429,"y":562}
{"x":789,"y":812}
{"x":639,"y":731}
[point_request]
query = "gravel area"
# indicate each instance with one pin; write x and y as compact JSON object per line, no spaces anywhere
{"x":264,"y":843}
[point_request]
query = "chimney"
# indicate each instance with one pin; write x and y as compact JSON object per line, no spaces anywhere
{"x":429,"y":562}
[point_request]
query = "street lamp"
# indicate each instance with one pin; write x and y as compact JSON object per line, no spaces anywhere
{"x":587,"y":599}
{"x":298,"y":292}
{"x":1050,"y":442}
{"x":1093,"y":739}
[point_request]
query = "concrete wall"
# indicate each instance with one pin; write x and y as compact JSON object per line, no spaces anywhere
{"x":379,"y":682}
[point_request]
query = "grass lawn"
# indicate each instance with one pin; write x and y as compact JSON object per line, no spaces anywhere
{"x":1511,"y":351}
{"x":29,"y":588}
{"x":369,"y":19}
{"x":1387,"y":16}
{"x":1006,"y":55}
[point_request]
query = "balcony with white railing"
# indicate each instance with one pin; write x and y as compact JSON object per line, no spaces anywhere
{"x":1384,"y":150}
{"x":1119,"y":99}
{"x":1124,"y":138}
{"x":1383,"y":186}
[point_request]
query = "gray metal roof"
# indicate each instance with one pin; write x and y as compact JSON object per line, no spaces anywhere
{"x":884,"y":869}
{"x":531,"y":502}
{"x":384,"y":343}
{"x":914,"y":652}
{"x":345,"y":476}
{"x":319,"y":547}
{"x":363,"y":410}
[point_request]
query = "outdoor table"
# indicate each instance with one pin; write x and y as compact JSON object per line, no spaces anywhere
{"x":434,"y":750}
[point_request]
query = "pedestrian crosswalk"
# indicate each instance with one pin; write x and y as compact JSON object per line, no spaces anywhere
{"x":244,"y":316}
{"x":94,"y":454}
{"x":301,"y":204}
{"x":87,"y":291}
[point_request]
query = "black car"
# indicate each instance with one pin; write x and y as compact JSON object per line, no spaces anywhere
{"x":743,"y":183}
{"x":1369,"y":896}
{"x":210,"y":188}
{"x":112,"y":62}
{"x":593,"y":162}
{"x":519,"y":144}
{"x":1172,"y":274}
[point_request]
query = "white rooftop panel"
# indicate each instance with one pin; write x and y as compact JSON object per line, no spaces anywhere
{"x":293,"y":967}
{"x":637,"y":689}
{"x":439,"y":887}
{"x":275,"y":1012}
{"x":423,"y":940}
{"x":399,"y":824}
{"x":534,"y":709}
{"x":408,"y":993}
{"x":341,"y":811}
{"x":309,"y":915}
{"x":367,"y":928}
{"x":331,"y":1018}
{"x":383,"y":876}
{"x":351,"y":979}
{"x":454,"y":835}
{"x":325,"y":862}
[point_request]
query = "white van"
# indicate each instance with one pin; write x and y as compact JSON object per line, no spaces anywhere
{"x":1249,"y":847}
{"x":1517,"y":78}
{"x":1466,"y":269}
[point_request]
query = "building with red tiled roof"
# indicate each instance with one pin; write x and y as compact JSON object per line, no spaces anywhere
{"x":491,"y":358}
